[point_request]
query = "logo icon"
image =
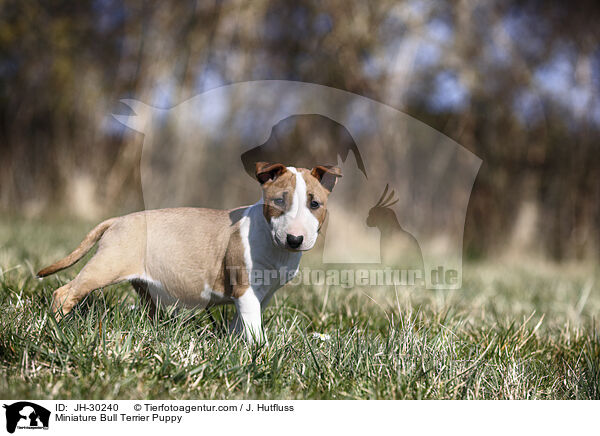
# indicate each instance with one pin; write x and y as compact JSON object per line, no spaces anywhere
{"x":26,"y":415}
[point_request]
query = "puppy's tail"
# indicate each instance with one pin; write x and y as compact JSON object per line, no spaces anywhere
{"x":85,"y":246}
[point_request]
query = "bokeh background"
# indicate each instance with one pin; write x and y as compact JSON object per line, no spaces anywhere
{"x":515,"y":82}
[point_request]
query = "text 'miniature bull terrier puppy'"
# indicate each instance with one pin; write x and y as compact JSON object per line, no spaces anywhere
{"x":204,"y":257}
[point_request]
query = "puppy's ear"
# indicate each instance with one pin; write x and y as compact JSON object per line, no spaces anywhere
{"x":266,"y":171}
{"x":327,"y":175}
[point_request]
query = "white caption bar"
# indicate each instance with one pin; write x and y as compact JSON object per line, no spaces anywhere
{"x":299,"y":417}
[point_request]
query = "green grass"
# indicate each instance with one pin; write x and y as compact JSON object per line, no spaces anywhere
{"x":521,"y":331}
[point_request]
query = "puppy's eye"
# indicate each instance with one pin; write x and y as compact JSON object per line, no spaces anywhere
{"x":314,"y":204}
{"x":279,"y":201}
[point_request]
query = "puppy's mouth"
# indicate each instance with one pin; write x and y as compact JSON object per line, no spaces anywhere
{"x":296,"y":250}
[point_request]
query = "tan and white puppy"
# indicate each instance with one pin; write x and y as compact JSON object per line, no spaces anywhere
{"x":205,"y":257}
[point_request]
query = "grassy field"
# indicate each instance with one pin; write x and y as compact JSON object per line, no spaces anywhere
{"x":524,"y":331}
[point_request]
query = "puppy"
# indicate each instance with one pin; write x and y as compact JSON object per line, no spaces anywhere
{"x":204,"y":257}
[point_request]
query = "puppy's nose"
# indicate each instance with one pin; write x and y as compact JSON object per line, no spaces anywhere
{"x":294,"y":241}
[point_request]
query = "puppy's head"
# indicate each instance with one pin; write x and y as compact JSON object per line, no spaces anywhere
{"x":295,"y":202}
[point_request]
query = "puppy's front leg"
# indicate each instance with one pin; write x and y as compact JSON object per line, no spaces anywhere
{"x":249,"y":313}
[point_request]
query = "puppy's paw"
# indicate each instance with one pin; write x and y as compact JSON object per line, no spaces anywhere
{"x":62,"y":303}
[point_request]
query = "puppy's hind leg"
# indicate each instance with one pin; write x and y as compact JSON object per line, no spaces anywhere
{"x":67,"y":296}
{"x":59,"y":298}
{"x":100,"y":271}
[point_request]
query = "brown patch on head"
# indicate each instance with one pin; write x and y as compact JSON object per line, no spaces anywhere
{"x":265,"y":171}
{"x":327,"y":175}
{"x":317,"y":191}
{"x":278,"y":186}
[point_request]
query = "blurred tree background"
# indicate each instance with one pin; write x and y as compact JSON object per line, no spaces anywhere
{"x":515,"y":82}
